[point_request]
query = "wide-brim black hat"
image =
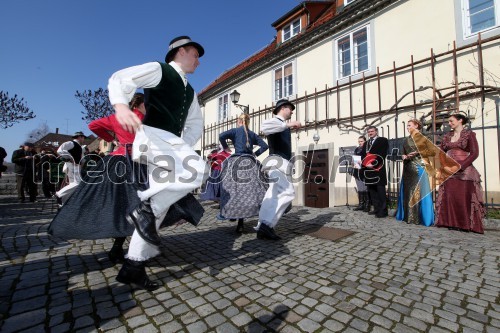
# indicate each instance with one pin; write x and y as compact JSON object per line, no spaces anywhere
{"x":283,"y":102}
{"x":77,"y":134}
{"x":182,"y":41}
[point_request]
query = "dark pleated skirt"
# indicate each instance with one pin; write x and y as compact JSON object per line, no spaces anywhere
{"x":108,"y":193}
{"x":212,"y":188}
{"x":98,"y":207}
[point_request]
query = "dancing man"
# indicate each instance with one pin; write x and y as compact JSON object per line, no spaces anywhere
{"x":280,"y":193}
{"x":172,"y":125}
{"x":71,"y":152}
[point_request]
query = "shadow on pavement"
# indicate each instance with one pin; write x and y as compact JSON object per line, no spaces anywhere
{"x":218,"y":248}
{"x":73,"y":283}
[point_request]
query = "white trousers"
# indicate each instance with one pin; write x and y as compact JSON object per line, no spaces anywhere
{"x":174,"y":170}
{"x":278,"y":196}
{"x":72,"y":172}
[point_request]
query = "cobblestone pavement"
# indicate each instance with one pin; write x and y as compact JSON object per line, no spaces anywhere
{"x":386,"y":277}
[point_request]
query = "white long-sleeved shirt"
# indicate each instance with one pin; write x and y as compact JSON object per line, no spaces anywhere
{"x":273,"y":125}
{"x":123,"y":84}
{"x":64,"y":149}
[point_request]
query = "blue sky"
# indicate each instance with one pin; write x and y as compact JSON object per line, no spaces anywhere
{"x":52,"y":48}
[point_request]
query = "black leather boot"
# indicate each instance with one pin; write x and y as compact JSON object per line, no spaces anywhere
{"x":116,"y":254}
{"x":266,"y":232}
{"x":361,"y":199}
{"x":239,"y":228}
{"x":144,"y":220}
{"x":368,"y":203}
{"x":134,"y":273}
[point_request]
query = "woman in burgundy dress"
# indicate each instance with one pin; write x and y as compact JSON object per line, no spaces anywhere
{"x":460,"y":204}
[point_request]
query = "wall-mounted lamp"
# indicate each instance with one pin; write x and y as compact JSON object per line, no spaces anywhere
{"x":235,"y":97}
{"x":316,"y":138}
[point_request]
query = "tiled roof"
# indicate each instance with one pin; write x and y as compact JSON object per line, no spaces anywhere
{"x":242,"y":66}
{"x":54,"y":140}
{"x":310,"y":6}
{"x":326,"y":16}
{"x":92,"y":146}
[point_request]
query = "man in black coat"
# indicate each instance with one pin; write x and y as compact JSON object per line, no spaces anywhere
{"x":3,"y":155}
{"x":24,"y":160}
{"x":375,"y":174}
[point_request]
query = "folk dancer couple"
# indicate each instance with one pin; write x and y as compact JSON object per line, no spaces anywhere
{"x":245,"y":194}
{"x":163,"y":142}
{"x":173,"y":123}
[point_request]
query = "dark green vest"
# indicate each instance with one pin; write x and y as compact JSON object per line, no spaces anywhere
{"x":168,"y":103}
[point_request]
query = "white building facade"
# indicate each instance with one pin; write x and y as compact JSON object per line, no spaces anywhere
{"x":348,"y":64}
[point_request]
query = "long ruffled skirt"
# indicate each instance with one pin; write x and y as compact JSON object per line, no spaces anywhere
{"x":98,"y":207}
{"x":106,"y":195}
{"x":460,"y":205}
{"x":415,"y":198}
{"x":244,"y":186}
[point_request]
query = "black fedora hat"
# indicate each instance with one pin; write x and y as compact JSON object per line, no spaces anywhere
{"x":283,"y":102}
{"x":182,"y":41}
{"x":77,"y":134}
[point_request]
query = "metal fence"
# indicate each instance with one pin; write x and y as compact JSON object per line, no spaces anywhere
{"x":420,"y":88}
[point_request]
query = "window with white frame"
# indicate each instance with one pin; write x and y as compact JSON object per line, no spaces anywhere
{"x":480,"y":15}
{"x":291,"y":30}
{"x":223,"y":108}
{"x":353,"y":53}
{"x":283,"y":81}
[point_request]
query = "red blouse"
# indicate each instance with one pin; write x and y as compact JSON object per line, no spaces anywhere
{"x":107,"y":128}
{"x":216,"y":159}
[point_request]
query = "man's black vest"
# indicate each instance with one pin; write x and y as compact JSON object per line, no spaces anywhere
{"x":168,"y":103}
{"x":281,"y":143}
{"x":76,"y":152}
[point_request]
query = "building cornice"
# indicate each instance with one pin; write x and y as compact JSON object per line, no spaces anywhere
{"x":356,"y":11}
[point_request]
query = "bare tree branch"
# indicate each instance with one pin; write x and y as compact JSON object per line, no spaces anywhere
{"x":36,"y":134}
{"x":13,"y":110}
{"x":96,"y":104}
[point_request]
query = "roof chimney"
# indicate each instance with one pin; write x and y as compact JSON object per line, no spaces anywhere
{"x":57,"y":130}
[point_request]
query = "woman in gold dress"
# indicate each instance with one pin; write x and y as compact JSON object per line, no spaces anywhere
{"x":415,"y":198}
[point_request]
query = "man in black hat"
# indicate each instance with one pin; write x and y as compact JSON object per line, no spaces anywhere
{"x":24,"y":160}
{"x":280,"y":193}
{"x":71,"y":152}
{"x":172,"y":125}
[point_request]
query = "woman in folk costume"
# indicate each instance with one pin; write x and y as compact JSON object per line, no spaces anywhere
{"x":243,"y":183}
{"x":460,"y":203}
{"x":415,"y":204}
{"x":212,"y":189}
{"x":98,"y":207}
